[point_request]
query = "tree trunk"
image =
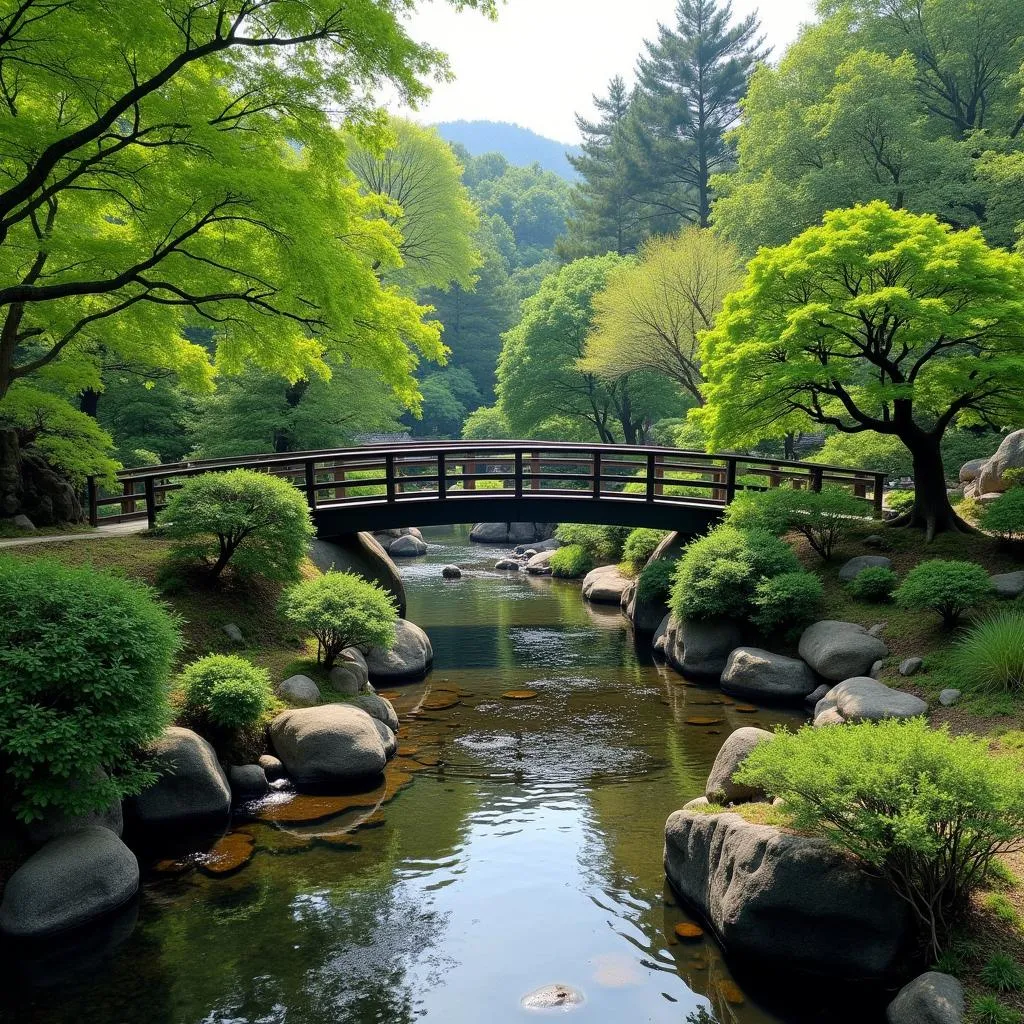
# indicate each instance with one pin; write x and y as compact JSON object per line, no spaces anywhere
{"x":89,"y":402}
{"x":932,"y":511}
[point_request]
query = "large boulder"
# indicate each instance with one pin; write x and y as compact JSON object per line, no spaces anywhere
{"x":932,"y":998}
{"x":701,"y":649}
{"x":605,"y":584}
{"x":407,"y":547}
{"x":299,"y":690}
{"x":760,"y":675}
{"x":863,"y":699}
{"x":510,"y":533}
{"x":334,"y":743}
{"x":855,"y":566}
{"x":789,"y":900}
{"x":192,"y":789}
{"x":840,"y":650}
{"x":540,"y":563}
{"x":71,"y":881}
{"x":377,"y":707}
{"x":672,"y":546}
{"x":349,"y":674}
{"x":1008,"y":585}
{"x":248,"y":782}
{"x":990,"y":478}
{"x":409,"y":658}
{"x":645,"y":614}
{"x":362,"y":554}
{"x":721,"y":788}
{"x":387,"y":738}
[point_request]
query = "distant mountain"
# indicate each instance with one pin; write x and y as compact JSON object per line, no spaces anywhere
{"x":519,"y":146}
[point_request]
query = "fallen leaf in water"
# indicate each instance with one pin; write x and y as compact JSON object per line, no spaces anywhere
{"x":520,"y":694}
{"x":688,"y":930}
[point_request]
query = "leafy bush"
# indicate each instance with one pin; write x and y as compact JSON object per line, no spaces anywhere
{"x":260,"y":523}
{"x":719,"y":573}
{"x":925,"y":810}
{"x":654,"y":584}
{"x":875,"y":584}
{"x":640,"y":545}
{"x":84,"y":659}
{"x":947,"y":587}
{"x":602,"y":543}
{"x":823,"y":517}
{"x":1005,"y":516}
{"x":1013,"y":478}
{"x":341,"y":610}
{"x":571,"y":562}
{"x":990,"y":655}
{"x":790,"y":599}
{"x":226,"y":691}
{"x":899,"y":501}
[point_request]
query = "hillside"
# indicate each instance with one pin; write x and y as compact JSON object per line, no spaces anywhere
{"x":518,"y":145}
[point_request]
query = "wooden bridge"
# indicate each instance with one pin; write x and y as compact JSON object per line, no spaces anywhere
{"x":434,"y":483}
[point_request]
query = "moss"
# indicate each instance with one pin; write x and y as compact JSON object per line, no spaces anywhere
{"x":759,"y":813}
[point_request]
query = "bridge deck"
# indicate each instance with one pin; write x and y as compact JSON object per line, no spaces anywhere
{"x":432,"y":483}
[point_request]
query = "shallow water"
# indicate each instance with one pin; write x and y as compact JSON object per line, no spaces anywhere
{"x":516,"y":844}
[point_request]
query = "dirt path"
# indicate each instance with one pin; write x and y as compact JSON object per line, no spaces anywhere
{"x":113,"y":530}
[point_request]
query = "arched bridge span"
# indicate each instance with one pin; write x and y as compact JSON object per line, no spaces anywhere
{"x":433,"y":483}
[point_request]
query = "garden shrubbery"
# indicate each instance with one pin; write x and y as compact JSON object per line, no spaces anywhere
{"x":874,"y":584}
{"x":259,"y":523}
{"x":925,"y":810}
{"x":571,"y":562}
{"x":1005,"y":516}
{"x":654,"y":584}
{"x":899,"y":502}
{"x":84,"y":661}
{"x":225,"y":691}
{"x":341,"y":610}
{"x":602,"y":543}
{"x":640,"y":545}
{"x":949,"y":588}
{"x":990,"y":655}
{"x":787,"y":600}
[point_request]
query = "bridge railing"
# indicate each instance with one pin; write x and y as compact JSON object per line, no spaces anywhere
{"x":466,"y":471}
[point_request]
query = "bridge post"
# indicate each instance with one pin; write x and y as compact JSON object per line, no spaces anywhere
{"x":597,"y":474}
{"x":880,"y":479}
{"x":719,"y":476}
{"x":534,"y":472}
{"x":92,"y":497}
{"x":730,"y":480}
{"x":816,"y":479}
{"x":128,"y":503}
{"x":389,"y":476}
{"x":310,"y":471}
{"x":518,"y":482}
{"x":442,"y":471}
{"x":469,"y":474}
{"x":339,"y":477}
{"x":774,"y":479}
{"x":651,"y":471}
{"x":150,"y":502}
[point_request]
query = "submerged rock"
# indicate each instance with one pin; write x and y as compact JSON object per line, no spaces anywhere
{"x":451,"y":572}
{"x":932,"y":998}
{"x":328,"y":744}
{"x":840,"y":650}
{"x":409,"y":658}
{"x":552,"y":997}
{"x":761,"y":675}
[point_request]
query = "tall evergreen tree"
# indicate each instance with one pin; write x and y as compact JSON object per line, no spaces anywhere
{"x":691,"y":81}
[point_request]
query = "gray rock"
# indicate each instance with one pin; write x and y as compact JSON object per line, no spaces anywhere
{"x":71,"y":881}
{"x":828,"y":717}
{"x":328,"y":744}
{"x":407,"y":547}
{"x":701,"y":649}
{"x":234,"y":634}
{"x":760,"y":675}
{"x":451,"y":572}
{"x":353,"y":654}
{"x":247,"y":781}
{"x":932,"y":998}
{"x":969,"y":470}
{"x":387,"y":738}
{"x":662,"y":630}
{"x":840,"y":650}
{"x":646,"y":615}
{"x":696,"y":802}
{"x":877,"y":669}
{"x":811,"y":701}
{"x":864,"y":699}
{"x":604,"y":585}
{"x":784,"y":899}
{"x":377,"y":707}
{"x":193,"y":789}
{"x":530,"y":552}
{"x":511,"y":533}
{"x":362,"y":554}
{"x":552,"y":997}
{"x":409,"y":658}
{"x":273,"y":767}
{"x":721,"y":789}
{"x":855,"y":566}
{"x":348,"y":677}
{"x":949,"y":696}
{"x":672,"y":546}
{"x":876,"y":540}
{"x":507,"y":565}
{"x":551,"y":544}
{"x":540,"y":563}
{"x":299,"y":690}
{"x":878,"y":629}
{"x":910,"y":665}
{"x":22,"y":522}
{"x":990,"y":479}
{"x":1008,"y":584}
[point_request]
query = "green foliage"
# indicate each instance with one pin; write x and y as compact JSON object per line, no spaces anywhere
{"x":486,"y":424}
{"x":1013,"y":478}
{"x":448,"y":395}
{"x":719,"y":573}
{"x":874,"y":584}
{"x":947,"y":587}
{"x":823,"y":517}
{"x":899,"y":501}
{"x":602,"y":543}
{"x":990,"y":655}
{"x":571,"y":562}
{"x":926,"y":810}
{"x":989,"y":1010}
{"x":225,"y":691}
{"x":654,"y":584}
{"x":787,"y":600}
{"x":882,"y":453}
{"x":85,"y":658}
{"x":341,"y":610}
{"x":260,"y":523}
{"x":1005,"y":516}
{"x":1003,"y":973}
{"x":640,"y":545}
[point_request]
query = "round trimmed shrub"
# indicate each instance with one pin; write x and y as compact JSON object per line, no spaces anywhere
{"x":946,"y":587}
{"x":990,"y":655}
{"x":85,"y":659}
{"x":226,"y":691}
{"x":257,"y":522}
{"x":654,"y":584}
{"x":640,"y":545}
{"x":790,"y":599}
{"x":1005,"y":516}
{"x":875,"y":584}
{"x":341,"y":610}
{"x":571,"y":562}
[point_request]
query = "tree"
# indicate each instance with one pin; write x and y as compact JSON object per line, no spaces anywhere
{"x":650,"y":313}
{"x":539,"y":378}
{"x":486,"y":424}
{"x":877,"y":320}
{"x":691,"y":81}
{"x":448,"y":396}
{"x":417,"y":172}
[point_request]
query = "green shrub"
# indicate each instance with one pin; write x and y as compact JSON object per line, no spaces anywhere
{"x":899,"y":501}
{"x":1013,"y":478}
{"x":84,"y":662}
{"x":640,"y":545}
{"x":1005,"y":516}
{"x":990,"y":656}
{"x":602,"y":543}
{"x":341,"y":610}
{"x":571,"y":562}
{"x":1003,"y":973}
{"x":259,"y":523}
{"x":654,"y":584}
{"x":226,"y":691}
{"x":719,"y":573}
{"x":874,"y":584}
{"x":790,"y":599}
{"x":989,"y":1010}
{"x":947,"y":587}
{"x":925,"y":810}
{"x":823,"y":517}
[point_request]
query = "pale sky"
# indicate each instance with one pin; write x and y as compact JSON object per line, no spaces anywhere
{"x":543,"y":59}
